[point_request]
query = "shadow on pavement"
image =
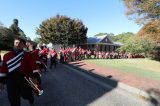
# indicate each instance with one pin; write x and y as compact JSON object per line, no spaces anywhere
{"x":80,"y":65}
{"x":154,"y":96}
{"x":98,"y":93}
{"x":91,"y":70}
{"x":105,"y":79}
{"x":110,"y":76}
{"x":63,"y":87}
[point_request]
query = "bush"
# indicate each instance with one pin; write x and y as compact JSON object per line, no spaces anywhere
{"x":155,"y":54}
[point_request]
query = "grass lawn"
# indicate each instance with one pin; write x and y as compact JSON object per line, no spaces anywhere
{"x":140,"y":67}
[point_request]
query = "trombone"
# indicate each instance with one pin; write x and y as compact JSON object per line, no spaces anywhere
{"x":36,"y":88}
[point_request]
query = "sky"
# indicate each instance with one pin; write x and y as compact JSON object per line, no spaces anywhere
{"x":99,"y":16}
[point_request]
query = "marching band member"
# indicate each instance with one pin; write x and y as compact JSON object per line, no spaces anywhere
{"x":0,"y":61}
{"x":99,"y":55}
{"x":0,"y":56}
{"x":73,"y":54}
{"x":17,"y":65}
{"x":43,"y":57}
{"x":65,"y":55}
{"x":46,"y":50}
{"x":61,"y":52}
{"x":35,"y":53}
{"x":53,"y":55}
{"x":94,"y":53}
{"x":103,"y":55}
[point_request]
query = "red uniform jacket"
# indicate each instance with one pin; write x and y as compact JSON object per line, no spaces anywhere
{"x":43,"y":56}
{"x":26,"y":64}
{"x":53,"y":55}
{"x":36,"y":56}
{"x":46,"y":50}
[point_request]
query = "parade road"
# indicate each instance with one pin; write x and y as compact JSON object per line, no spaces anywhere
{"x":64,"y":86}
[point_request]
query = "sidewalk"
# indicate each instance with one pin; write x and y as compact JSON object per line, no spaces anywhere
{"x":125,"y":80}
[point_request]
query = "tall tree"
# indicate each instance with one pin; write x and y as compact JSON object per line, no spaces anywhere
{"x":16,"y":30}
{"x":62,"y":30}
{"x":143,"y":11}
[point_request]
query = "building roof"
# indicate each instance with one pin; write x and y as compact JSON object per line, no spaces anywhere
{"x":103,"y":39}
{"x":118,"y":43}
{"x":92,"y":40}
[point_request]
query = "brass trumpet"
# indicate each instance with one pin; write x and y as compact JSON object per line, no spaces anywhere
{"x":35,"y":86}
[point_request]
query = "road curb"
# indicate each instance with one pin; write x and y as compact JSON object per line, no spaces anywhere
{"x":134,"y":90}
{"x":141,"y":93}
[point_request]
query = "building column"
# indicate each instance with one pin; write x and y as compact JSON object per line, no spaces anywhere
{"x":102,"y":47}
{"x":111,"y":48}
{"x":98,"y":47}
{"x":107,"y":48}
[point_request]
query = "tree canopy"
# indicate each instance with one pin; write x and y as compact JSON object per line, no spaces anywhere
{"x":7,"y":35}
{"x":6,"y":38}
{"x":62,"y":30}
{"x":139,"y":46}
{"x":150,"y":30}
{"x":143,"y":11}
{"x":37,"y":40}
{"x":146,"y":12}
{"x":101,"y":34}
{"x":123,"y":37}
{"x":133,"y":44}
